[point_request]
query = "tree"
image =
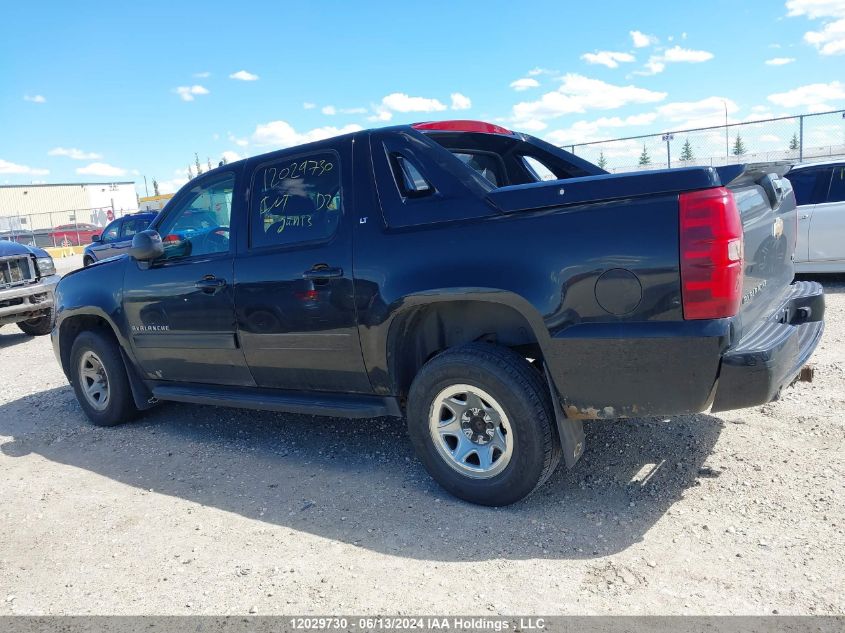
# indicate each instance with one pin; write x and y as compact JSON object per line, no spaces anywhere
{"x":208,"y":162}
{"x":645,"y":159}
{"x":197,"y":163}
{"x":223,"y":160}
{"x":739,"y":147}
{"x":155,"y":187}
{"x":686,"y":152}
{"x":793,"y":142}
{"x":190,"y":173}
{"x":602,"y":161}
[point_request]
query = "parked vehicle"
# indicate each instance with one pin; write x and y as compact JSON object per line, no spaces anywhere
{"x":27,"y":283}
{"x":820,"y":195}
{"x":73,"y":234}
{"x":116,"y":238}
{"x":432,"y":273}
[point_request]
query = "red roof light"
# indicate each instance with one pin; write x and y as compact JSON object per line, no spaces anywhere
{"x":462,"y":126}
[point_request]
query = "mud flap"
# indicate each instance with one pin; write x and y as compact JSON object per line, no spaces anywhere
{"x":141,"y":394}
{"x":569,"y":431}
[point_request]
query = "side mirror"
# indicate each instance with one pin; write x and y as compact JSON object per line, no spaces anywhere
{"x":96,"y":238}
{"x":146,"y":246}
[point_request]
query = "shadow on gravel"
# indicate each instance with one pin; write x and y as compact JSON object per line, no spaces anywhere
{"x":358,"y":482}
{"x":9,"y":337}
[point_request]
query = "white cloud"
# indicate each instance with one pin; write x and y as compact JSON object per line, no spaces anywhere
{"x":770,"y":138}
{"x":174,"y":184}
{"x":243,"y":75}
{"x":532,"y":125}
{"x":812,"y":96}
{"x":400,"y":102}
{"x":579,"y":94}
{"x":35,"y":98}
{"x":779,"y":61}
{"x":187,"y":93}
{"x":641,"y":40}
{"x":203,"y":75}
{"x":814,"y":9}
{"x":524,"y":84}
{"x":282,"y":133}
{"x":678,"y":54}
{"x":460,"y":102}
{"x":72,"y":152}
{"x":611,"y":59}
{"x":657,"y":63}
{"x":230,"y":156}
{"x":702,"y":113}
{"x":830,"y":40}
{"x":330,"y":110}
{"x":583,"y":131}
{"x":534,"y":72}
{"x":309,"y":106}
{"x":100,"y":169}
{"x":240,"y":142}
{"x":7,"y":167}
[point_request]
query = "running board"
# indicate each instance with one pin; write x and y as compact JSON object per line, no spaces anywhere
{"x":335,"y":405}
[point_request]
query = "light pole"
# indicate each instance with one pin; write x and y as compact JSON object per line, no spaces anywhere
{"x":727,"y":142}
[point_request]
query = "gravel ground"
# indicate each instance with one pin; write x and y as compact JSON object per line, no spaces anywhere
{"x":201,"y":510}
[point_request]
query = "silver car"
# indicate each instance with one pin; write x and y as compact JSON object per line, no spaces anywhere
{"x":820,"y":194}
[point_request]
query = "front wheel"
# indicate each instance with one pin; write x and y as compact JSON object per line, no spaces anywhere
{"x":99,"y":379}
{"x":480,"y":418}
{"x":39,"y":326}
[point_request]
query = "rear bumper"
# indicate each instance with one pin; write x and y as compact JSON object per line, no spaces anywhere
{"x":770,"y":357}
{"x":20,"y":303}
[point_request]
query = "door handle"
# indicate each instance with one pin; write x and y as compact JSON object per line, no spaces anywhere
{"x":804,"y":216}
{"x":321,"y":271}
{"x":210,"y":284}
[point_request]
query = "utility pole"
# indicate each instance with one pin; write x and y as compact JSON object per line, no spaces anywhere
{"x":727,"y":142}
{"x":668,"y":138}
{"x":146,"y":191}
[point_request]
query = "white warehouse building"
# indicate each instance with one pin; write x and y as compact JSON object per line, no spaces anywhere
{"x":38,"y":208}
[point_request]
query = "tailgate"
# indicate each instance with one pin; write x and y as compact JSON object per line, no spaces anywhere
{"x":769,"y":223}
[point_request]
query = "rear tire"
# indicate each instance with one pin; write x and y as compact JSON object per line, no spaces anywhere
{"x":87,"y":261}
{"x":39,"y":326}
{"x":481,"y":420}
{"x":99,"y":380}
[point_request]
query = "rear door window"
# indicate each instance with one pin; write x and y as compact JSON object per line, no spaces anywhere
{"x":809,"y":184}
{"x":295,"y":199}
{"x":487,"y":165}
{"x":837,"y":185}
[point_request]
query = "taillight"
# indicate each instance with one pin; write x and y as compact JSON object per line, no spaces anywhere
{"x":711,"y":254}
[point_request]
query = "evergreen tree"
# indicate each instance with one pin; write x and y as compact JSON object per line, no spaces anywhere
{"x":793,"y":142}
{"x":190,"y":173}
{"x":208,"y":162}
{"x":155,"y":187}
{"x":739,"y":147}
{"x":645,"y":159}
{"x":686,"y":152}
{"x":602,"y":161}
{"x":223,"y":161}
{"x":197,"y":163}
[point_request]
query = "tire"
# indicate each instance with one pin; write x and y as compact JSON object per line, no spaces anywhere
{"x":91,"y":352}
{"x":39,"y":326}
{"x":515,"y":402}
{"x":87,"y":261}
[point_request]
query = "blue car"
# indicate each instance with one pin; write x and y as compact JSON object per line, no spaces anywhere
{"x":116,"y":238}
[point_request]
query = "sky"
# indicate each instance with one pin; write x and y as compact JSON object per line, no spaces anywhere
{"x":116,"y":91}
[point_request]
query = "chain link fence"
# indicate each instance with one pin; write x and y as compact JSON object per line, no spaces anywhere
{"x":58,"y":228}
{"x":797,"y":138}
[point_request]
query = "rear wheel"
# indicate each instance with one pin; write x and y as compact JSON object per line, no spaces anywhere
{"x":481,"y":421}
{"x":87,"y":261}
{"x":99,"y":380}
{"x":39,"y":326}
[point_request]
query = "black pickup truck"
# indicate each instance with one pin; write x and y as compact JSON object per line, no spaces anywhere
{"x":493,"y":289}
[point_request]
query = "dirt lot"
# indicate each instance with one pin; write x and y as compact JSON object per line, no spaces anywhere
{"x":202,"y":510}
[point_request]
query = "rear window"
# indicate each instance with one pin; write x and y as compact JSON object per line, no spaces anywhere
{"x":537,"y":169}
{"x":487,"y":165}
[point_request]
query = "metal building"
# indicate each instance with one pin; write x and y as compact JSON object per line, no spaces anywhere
{"x":52,"y":213}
